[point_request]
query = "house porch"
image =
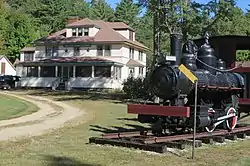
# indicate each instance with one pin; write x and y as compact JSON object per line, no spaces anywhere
{"x":87,"y":73}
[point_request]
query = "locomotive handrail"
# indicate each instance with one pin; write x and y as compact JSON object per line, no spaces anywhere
{"x":228,"y":70}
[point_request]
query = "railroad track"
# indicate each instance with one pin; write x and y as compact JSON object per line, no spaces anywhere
{"x":145,"y":140}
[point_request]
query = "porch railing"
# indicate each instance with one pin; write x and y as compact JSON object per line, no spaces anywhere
{"x":55,"y":83}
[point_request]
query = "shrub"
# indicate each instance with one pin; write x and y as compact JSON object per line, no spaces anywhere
{"x":135,"y":87}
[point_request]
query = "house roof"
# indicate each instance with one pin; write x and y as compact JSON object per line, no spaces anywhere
{"x":30,"y":49}
{"x":81,"y":60}
{"x":16,"y":62}
{"x":106,"y":34}
{"x":82,"y":22}
{"x":3,"y":56}
{"x":119,"y":25}
{"x":134,"y":63}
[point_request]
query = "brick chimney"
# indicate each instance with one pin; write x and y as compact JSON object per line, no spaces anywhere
{"x":72,"y":19}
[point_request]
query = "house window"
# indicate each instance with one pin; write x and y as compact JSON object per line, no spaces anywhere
{"x":102,"y":71}
{"x":118,"y":73}
{"x":28,"y":56}
{"x":131,"y":53}
{"x":107,"y":50}
{"x":55,"y":51}
{"x":140,"y":56}
{"x":76,"y":51}
{"x":47,"y":71}
{"x":141,"y":71}
{"x":79,"y":31}
{"x":131,"y":35}
{"x":48,"y":51}
{"x":99,"y":50}
{"x":131,"y":71}
{"x":86,"y":31}
{"x":51,"y":51}
{"x":83,"y":71}
{"x":74,"y":32}
{"x":32,"y":71}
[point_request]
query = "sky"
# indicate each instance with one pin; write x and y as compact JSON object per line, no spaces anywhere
{"x":243,"y":4}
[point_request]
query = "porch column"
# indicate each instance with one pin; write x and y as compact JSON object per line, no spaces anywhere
{"x":93,"y":71}
{"x":74,"y":71}
{"x":39,"y":71}
{"x":112,"y":72}
{"x":56,"y":71}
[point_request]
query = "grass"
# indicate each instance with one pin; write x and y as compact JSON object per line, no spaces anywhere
{"x":12,"y":107}
{"x":70,"y":144}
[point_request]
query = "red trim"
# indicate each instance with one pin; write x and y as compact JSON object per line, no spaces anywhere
{"x":244,"y":101}
{"x":159,"y":110}
{"x":216,"y":87}
{"x":242,"y":70}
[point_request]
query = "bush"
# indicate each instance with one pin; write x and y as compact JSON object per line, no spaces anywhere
{"x":135,"y":87}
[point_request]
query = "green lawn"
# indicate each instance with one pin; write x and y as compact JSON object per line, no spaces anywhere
{"x":11,"y":107}
{"x":70,"y":144}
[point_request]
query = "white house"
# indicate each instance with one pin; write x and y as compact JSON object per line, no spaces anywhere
{"x":85,"y":54}
{"x":6,"y":67}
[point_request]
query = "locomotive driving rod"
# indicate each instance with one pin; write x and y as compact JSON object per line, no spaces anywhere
{"x":225,"y":117}
{"x":222,"y":119}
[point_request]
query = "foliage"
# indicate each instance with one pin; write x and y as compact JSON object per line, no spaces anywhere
{"x":102,"y":11}
{"x":135,"y":87}
{"x":126,"y":11}
{"x":243,"y":55}
{"x":19,"y":33}
{"x":38,"y":18}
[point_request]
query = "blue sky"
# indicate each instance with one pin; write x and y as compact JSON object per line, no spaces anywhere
{"x":243,"y":4}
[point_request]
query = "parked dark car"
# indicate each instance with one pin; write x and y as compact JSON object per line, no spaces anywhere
{"x":8,"y":81}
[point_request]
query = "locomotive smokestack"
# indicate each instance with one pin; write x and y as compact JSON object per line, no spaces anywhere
{"x":176,"y":46}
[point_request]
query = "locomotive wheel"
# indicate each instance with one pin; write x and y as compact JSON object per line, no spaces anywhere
{"x":231,"y":123}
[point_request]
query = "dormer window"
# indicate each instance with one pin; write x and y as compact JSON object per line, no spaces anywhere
{"x":74,"y":32}
{"x":79,"y":31}
{"x":86,"y":31}
{"x":131,"y":35}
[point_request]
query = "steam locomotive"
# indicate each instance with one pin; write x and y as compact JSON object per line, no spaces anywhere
{"x":217,"y":96}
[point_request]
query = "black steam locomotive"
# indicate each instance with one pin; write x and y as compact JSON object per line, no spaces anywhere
{"x":217,"y":97}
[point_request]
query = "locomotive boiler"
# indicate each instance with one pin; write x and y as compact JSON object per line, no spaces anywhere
{"x":217,"y":98}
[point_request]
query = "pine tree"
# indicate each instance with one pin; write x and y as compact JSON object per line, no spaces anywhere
{"x":126,"y":11}
{"x":101,"y":10}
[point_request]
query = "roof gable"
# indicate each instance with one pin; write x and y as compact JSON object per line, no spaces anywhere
{"x":83,"y":22}
{"x":3,"y":56}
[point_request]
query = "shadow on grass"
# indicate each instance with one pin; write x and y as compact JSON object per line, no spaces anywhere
{"x":128,"y":119}
{"x":65,"y":161}
{"x":114,"y":129}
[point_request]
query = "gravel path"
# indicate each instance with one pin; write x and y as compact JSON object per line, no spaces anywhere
{"x":46,"y":118}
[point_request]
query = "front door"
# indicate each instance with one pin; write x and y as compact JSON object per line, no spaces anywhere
{"x":65,"y":73}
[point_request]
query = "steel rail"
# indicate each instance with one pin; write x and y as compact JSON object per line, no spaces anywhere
{"x":198,"y":135}
{"x":127,"y":134}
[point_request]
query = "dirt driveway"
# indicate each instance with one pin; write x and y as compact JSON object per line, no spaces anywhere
{"x":51,"y":115}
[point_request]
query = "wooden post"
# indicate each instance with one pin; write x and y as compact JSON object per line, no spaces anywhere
{"x":195,"y":112}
